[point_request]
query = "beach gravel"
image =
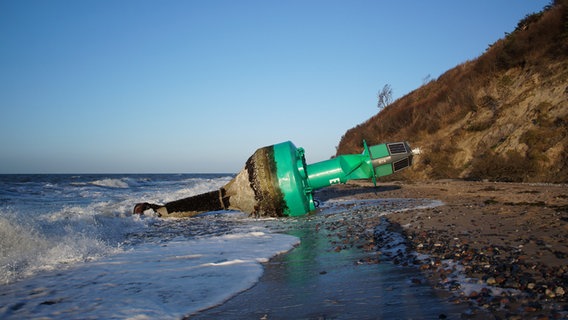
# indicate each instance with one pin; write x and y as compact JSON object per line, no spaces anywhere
{"x":500,"y":247}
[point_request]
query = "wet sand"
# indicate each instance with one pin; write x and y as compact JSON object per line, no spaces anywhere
{"x":505,"y":235}
{"x":510,"y":242}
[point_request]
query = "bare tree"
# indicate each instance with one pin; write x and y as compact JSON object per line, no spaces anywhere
{"x":385,"y":97}
{"x":426,"y":79}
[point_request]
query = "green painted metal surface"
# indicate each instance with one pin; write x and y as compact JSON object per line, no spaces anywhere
{"x":290,"y":170}
{"x":297,"y":181}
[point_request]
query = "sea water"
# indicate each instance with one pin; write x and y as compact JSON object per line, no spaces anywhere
{"x":71,"y":248}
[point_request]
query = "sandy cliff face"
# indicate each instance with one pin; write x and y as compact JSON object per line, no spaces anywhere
{"x":525,"y":120}
{"x":503,"y":116}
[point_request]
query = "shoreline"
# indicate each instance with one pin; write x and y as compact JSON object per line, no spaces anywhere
{"x":509,"y":241}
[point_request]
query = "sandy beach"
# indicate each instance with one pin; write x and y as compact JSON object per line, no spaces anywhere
{"x":486,"y":251}
{"x":504,"y":235}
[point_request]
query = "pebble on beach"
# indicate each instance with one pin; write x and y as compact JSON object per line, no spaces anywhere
{"x":500,"y":248}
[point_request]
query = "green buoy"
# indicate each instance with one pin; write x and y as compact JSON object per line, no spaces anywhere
{"x":277,"y":182}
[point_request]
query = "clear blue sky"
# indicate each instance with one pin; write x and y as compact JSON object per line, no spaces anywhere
{"x":131,"y":86}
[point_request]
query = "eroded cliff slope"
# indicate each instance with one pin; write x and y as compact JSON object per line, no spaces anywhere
{"x":502,"y":116}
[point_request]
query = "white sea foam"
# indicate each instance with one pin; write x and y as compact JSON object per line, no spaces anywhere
{"x":187,"y":188}
{"x":391,"y":244}
{"x":77,"y":252}
{"x":27,"y":250}
{"x":165,"y":281}
{"x":19,"y":245}
{"x":66,"y":220}
{"x":455,"y":272}
{"x":58,"y":239}
{"x":110,"y":183}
